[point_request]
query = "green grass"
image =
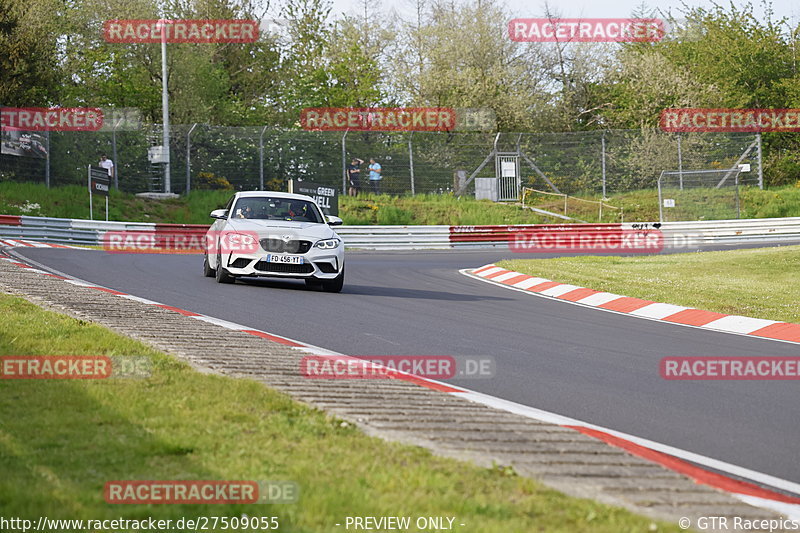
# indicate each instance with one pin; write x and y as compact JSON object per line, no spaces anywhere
{"x":430,"y":209}
{"x":760,"y":283}
{"x":693,"y":204}
{"x":73,"y":202}
{"x":60,"y":441}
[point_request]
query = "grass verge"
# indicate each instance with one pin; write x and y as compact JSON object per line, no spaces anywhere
{"x":759,"y":283}
{"x":60,"y":441}
{"x":367,"y":209}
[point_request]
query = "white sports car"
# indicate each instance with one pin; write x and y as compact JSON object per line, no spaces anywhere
{"x":275,"y":234}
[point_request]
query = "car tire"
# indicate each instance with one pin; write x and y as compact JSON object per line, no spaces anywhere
{"x":313,"y":283}
{"x":221,"y":274}
{"x":207,"y":270}
{"x":335,"y":284}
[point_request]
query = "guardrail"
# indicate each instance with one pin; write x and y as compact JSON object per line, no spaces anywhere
{"x":89,"y":232}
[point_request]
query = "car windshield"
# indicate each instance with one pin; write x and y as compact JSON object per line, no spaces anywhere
{"x":268,"y":208}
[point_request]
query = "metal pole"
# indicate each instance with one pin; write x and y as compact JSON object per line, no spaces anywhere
{"x":165,"y":104}
{"x":47,"y":162}
{"x":189,"y":158}
{"x":344,"y":163}
{"x":89,"y":185}
{"x":261,"y":159}
{"x":603,"y":144}
{"x":114,"y":153}
{"x":411,"y":162}
{"x":760,"y":165}
{"x":680,"y":162}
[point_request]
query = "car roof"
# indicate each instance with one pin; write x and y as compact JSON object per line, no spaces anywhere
{"x":272,"y":194}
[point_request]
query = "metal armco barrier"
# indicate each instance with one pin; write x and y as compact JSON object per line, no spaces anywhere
{"x":89,"y":232}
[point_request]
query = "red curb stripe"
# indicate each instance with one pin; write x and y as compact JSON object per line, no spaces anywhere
{"x":516,"y":279}
{"x":700,"y":475}
{"x":23,"y":265}
{"x":427,"y":384}
{"x":176,"y":309}
{"x":482,"y":269}
{"x":279,"y":340}
{"x":693,"y":317}
{"x":577,"y":294}
{"x":53,"y":276}
{"x":494,"y":275}
{"x":626,"y":304}
{"x":24,"y":243}
{"x":110,"y":291}
{"x":544,"y":286}
{"x":784,"y":331}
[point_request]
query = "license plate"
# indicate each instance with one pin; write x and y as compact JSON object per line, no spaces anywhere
{"x":285,"y":259}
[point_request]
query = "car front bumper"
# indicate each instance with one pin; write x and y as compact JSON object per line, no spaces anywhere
{"x":319,"y":264}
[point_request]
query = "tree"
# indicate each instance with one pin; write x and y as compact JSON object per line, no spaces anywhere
{"x":29,"y":74}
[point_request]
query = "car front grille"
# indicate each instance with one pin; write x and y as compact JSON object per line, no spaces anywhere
{"x":283,"y":268}
{"x":281,"y":246}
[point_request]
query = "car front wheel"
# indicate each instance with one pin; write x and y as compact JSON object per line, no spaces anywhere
{"x":335,"y":284}
{"x":207,"y":270}
{"x":222,"y":274}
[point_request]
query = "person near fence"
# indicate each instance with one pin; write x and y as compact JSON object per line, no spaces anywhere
{"x":375,"y":175}
{"x":107,"y":164}
{"x":354,"y":175}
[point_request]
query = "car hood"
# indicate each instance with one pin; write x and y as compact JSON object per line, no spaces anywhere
{"x":298,"y":230}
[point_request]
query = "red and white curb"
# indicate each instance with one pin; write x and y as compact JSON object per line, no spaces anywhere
{"x":674,"y":314}
{"x":11,"y":243}
{"x":751,"y":492}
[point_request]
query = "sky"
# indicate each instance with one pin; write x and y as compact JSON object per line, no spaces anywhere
{"x":588,"y":8}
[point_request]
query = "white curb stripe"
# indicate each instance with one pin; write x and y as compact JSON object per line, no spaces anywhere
{"x":558,"y":290}
{"x":658,"y":310}
{"x":528,"y":283}
{"x":739,"y":324}
{"x":599,"y":298}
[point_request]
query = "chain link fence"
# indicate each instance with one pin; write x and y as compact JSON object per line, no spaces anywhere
{"x":203,"y":156}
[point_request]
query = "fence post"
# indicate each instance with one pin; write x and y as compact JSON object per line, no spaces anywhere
{"x":411,"y":162}
{"x":114,"y":153}
{"x":344,"y":163}
{"x":760,"y":164}
{"x":680,"y":162}
{"x":603,"y":148}
{"x":261,"y":159}
{"x":189,"y":158}
{"x":47,"y":161}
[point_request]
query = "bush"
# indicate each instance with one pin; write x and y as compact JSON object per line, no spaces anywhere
{"x":210,"y":182}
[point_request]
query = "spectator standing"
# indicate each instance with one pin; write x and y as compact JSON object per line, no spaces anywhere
{"x":107,"y":164}
{"x":354,"y":175}
{"x":375,"y":176}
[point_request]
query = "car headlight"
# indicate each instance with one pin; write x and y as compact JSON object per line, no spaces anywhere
{"x":328,"y":244}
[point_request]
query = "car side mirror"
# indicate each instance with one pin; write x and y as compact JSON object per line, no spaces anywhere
{"x":334,"y":221}
{"x":219,"y":213}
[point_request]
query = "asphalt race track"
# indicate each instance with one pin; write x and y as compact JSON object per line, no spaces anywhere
{"x":595,"y":366}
